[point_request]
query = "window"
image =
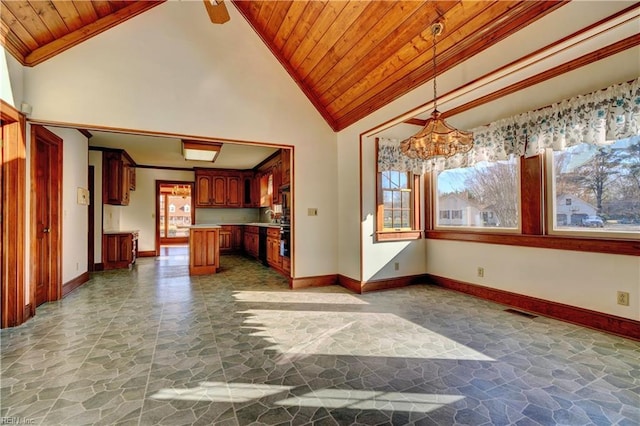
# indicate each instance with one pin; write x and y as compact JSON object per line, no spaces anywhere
{"x":187,"y":208}
{"x":479,"y":197}
{"x":398,"y":213}
{"x":172,"y":208}
{"x":596,"y":189}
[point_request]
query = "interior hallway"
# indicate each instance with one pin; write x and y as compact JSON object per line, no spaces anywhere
{"x":155,"y":346}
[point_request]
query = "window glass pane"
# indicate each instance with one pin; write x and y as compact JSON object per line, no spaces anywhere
{"x":387,"y":199}
{"x":597,"y":188}
{"x":483,"y":196}
{"x":397,"y":219}
{"x":405,"y":219}
{"x":406,"y":198}
{"x":385,"y":180}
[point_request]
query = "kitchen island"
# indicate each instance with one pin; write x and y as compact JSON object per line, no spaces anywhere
{"x":204,"y":249}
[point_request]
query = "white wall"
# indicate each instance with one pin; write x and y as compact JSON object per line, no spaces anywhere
{"x":11,"y":79}
{"x":140,"y":214}
{"x":75,"y":217}
{"x":171,"y":70}
{"x":588,"y":280}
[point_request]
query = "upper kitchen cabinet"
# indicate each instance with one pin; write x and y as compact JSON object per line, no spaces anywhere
{"x":118,"y":176}
{"x":286,"y":166}
{"x":215,"y":188}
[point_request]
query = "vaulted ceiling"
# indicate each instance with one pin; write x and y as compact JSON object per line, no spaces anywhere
{"x":350,"y":58}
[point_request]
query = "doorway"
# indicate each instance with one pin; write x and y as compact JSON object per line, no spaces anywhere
{"x":13,"y":306}
{"x":174,"y":213}
{"x":46,"y":220}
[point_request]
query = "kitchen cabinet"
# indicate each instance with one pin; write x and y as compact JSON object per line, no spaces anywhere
{"x":251,"y":189}
{"x":119,"y":249}
{"x":286,"y":166}
{"x":231,"y":240}
{"x":118,"y":170}
{"x":204,"y":250}
{"x":273,"y":248}
{"x":251,"y":241}
{"x":218,"y":188}
{"x":276,"y":170}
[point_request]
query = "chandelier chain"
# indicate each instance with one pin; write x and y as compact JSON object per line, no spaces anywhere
{"x":435,"y":97}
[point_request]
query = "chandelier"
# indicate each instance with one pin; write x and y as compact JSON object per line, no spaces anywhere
{"x":437,"y":138}
{"x":183,"y":191}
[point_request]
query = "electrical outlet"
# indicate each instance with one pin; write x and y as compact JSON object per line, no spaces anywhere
{"x":623,"y":298}
{"x":312,"y":212}
{"x":396,"y":266}
{"x":480,"y":271}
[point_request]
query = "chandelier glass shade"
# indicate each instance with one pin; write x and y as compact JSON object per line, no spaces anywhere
{"x":437,"y":138}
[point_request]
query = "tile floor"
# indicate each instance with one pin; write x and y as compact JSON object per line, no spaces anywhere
{"x":153,"y":346}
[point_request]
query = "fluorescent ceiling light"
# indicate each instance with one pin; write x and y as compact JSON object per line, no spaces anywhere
{"x":200,"y":150}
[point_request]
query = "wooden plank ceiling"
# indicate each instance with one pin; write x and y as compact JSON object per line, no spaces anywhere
{"x":349,"y":57}
{"x":34,"y":31}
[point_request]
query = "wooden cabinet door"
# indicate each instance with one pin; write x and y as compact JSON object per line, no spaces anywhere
{"x":234,"y":191}
{"x":225,"y":240}
{"x":277,"y":182}
{"x":286,"y":166}
{"x":270,"y":259}
{"x":248,"y":198}
{"x":219,"y":198}
{"x":204,"y":189}
{"x":204,"y":251}
{"x":236,"y":237}
{"x":112,"y":182}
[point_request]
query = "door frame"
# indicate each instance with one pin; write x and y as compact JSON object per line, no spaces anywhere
{"x":91,"y":261}
{"x":54,"y":291}
{"x":193,"y":210}
{"x":13,"y":179}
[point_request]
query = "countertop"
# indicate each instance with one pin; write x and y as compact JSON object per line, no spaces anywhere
{"x":261,"y":224}
{"x":204,"y":225}
{"x":126,"y":231}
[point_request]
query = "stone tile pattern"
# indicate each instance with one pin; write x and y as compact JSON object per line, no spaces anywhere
{"x":154,"y":346}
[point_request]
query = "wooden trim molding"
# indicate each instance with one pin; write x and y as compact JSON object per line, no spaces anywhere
{"x":13,"y":224}
{"x":318,"y":281}
{"x":390,"y":283}
{"x":587,"y":318}
{"x":98,"y":267}
{"x":147,"y":253}
{"x":609,"y":246}
{"x":76,"y":282}
{"x":381,"y":284}
{"x":350,"y":284}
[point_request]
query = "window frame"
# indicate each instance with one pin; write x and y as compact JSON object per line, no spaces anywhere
{"x":433,"y":193}
{"x":535,"y":219}
{"x":386,"y":234}
{"x":580,"y":232}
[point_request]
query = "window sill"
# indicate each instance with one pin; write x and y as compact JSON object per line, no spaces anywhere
{"x":598,"y":245}
{"x":398,"y":235}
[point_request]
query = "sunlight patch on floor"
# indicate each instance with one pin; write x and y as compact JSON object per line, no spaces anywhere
{"x":327,"y":398}
{"x":297,"y":297}
{"x":299,"y":333}
{"x":221,"y":392}
{"x":371,"y":400}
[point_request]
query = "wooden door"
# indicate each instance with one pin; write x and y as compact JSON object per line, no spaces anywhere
{"x":46,"y":255}
{"x":91,"y":262}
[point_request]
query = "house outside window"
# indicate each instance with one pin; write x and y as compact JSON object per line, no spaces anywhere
{"x":596,"y":188}
{"x":479,"y":197}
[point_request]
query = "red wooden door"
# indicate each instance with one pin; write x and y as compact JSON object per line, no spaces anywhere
{"x":42,"y":255}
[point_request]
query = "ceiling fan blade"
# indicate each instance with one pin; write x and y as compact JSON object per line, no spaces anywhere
{"x":217,"y":11}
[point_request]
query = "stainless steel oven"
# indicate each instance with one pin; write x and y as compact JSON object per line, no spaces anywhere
{"x":285,"y":239}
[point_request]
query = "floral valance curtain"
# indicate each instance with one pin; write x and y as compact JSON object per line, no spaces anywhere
{"x":597,"y":118}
